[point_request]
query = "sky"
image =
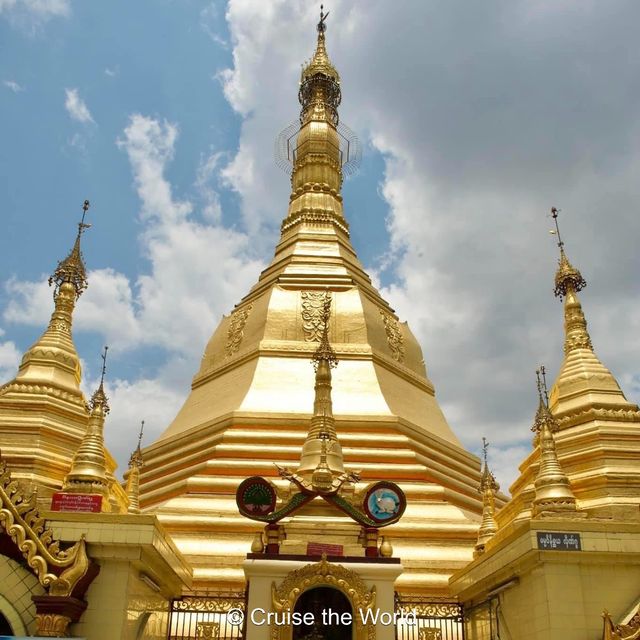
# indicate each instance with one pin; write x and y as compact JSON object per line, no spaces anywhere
{"x":474,"y":118}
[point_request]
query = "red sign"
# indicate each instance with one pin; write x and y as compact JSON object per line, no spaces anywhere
{"x":76,"y":502}
{"x":318,"y":548}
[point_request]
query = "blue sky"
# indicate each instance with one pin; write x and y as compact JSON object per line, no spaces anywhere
{"x":474,"y":121}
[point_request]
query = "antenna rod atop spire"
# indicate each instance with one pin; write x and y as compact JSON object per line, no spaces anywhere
{"x":541,"y":377}
{"x":82,"y":225}
{"x":485,"y":446}
{"x":104,"y":364}
{"x":322,"y":27}
{"x":554,"y":215}
{"x":140,"y":434}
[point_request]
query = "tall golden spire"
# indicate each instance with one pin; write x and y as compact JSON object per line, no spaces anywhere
{"x":133,"y":481}
{"x":552,"y":489}
{"x":583,"y":382}
{"x":53,"y":358}
{"x":488,"y":488}
{"x":321,"y":457}
{"x":88,"y":474}
{"x":317,"y":160}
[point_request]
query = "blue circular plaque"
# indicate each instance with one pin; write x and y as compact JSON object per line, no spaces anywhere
{"x":384,"y":502}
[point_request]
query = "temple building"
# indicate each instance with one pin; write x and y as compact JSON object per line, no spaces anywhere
{"x":311,"y":469}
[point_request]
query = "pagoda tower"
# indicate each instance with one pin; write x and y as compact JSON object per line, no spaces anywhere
{"x":251,"y":401}
{"x":598,"y":430}
{"x":44,"y":415}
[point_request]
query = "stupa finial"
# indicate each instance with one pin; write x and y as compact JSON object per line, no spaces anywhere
{"x":72,"y":270}
{"x":99,"y":401}
{"x":133,"y":479}
{"x":552,"y":488}
{"x":568,"y":278}
{"x":88,"y":473}
{"x":488,"y":488}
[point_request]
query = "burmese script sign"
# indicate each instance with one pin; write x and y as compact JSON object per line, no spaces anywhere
{"x":76,"y":502}
{"x":550,"y":541}
{"x":318,"y":548}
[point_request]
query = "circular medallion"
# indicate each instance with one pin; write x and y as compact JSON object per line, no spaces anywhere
{"x":384,"y":502}
{"x":256,"y":497}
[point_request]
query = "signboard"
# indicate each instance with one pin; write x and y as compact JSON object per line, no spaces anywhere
{"x":556,"y":541}
{"x":318,"y":548}
{"x":77,"y":502}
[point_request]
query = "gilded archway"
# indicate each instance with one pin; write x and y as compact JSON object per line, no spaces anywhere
{"x":324,"y":574}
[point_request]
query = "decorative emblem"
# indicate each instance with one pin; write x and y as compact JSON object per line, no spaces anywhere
{"x":384,"y":502}
{"x":256,"y":496}
{"x":208,"y":630}
{"x":312,"y":319}
{"x":236,"y":330}
{"x":395,"y":339}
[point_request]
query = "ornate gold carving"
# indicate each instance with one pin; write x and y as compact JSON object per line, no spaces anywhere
{"x":40,"y":388}
{"x":585,"y":415}
{"x":430,"y":633}
{"x":324,"y":574}
{"x":315,"y":217}
{"x":394,"y":336}
{"x":212,"y":604}
{"x":629,"y":631}
{"x":406,"y":605}
{"x":235,"y":332}
{"x":312,"y":318}
{"x":52,"y":625}
{"x":20,"y":518}
{"x":208,"y":630}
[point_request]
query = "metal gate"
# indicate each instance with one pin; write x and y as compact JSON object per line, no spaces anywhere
{"x":421,"y":619}
{"x":217,"y":616}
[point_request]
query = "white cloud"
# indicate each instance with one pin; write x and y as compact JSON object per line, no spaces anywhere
{"x":209,"y":18}
{"x":13,"y":85}
{"x":76,"y":107}
{"x":208,"y":170}
{"x":29,"y":303}
{"x":9,"y":358}
{"x":112,"y":73}
{"x":32,"y":14}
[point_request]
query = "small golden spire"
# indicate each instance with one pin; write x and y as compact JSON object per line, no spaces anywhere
{"x":488,"y":488}
{"x":321,"y":452}
{"x":72,"y":270}
{"x":568,"y":282}
{"x":88,"y":474}
{"x":552,"y":488}
{"x":136,"y":462}
{"x":53,"y":356}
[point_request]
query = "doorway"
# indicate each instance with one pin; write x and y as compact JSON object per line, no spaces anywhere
{"x":327,"y":606}
{"x":5,"y":627}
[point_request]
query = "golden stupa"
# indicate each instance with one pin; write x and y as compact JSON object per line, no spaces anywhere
{"x":251,"y":401}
